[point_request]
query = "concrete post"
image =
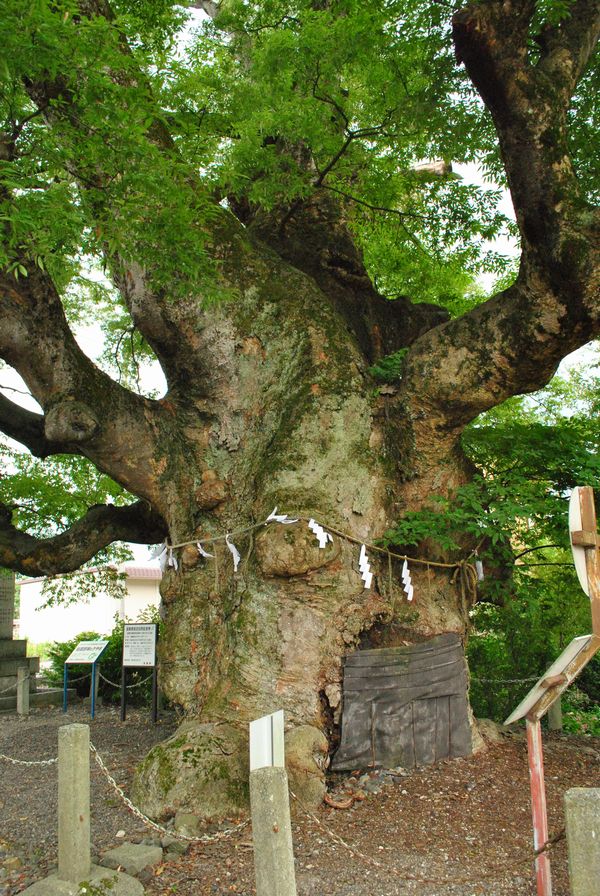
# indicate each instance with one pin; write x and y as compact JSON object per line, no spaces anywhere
{"x":555,"y":721}
{"x":272,"y":832}
{"x":74,"y":853}
{"x":582,"y":816}
{"x":7,"y":604}
{"x":23,"y":690}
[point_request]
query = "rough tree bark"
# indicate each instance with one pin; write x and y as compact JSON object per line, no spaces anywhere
{"x":271,"y":403}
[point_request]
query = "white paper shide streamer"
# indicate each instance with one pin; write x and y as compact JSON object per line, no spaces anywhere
{"x":160,"y":553}
{"x":234,"y":553}
{"x":322,"y":536}
{"x":172,"y":560}
{"x":202,"y":552}
{"x":365,"y":568}
{"x":275,"y":517}
{"x":158,"y":550}
{"x":406,"y":581}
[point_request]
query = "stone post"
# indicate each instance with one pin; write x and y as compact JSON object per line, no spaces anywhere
{"x":23,"y":690}
{"x":74,"y":853}
{"x":272,"y":832}
{"x":7,"y":604}
{"x":582,"y":815}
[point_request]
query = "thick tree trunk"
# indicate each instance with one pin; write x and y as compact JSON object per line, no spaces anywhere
{"x":300,"y":426}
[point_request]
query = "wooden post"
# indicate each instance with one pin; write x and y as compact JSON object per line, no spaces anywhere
{"x":538,"y":805}
{"x":590,"y":545}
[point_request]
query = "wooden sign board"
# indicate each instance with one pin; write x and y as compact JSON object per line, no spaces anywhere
{"x":556,"y":680}
{"x":576,"y":525}
{"x":267,"y":741}
{"x":86,"y":652}
{"x":139,"y":644}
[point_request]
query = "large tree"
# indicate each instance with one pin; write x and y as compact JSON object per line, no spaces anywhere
{"x":254,"y":197}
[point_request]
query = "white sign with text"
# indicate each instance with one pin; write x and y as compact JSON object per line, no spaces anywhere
{"x":86,"y":652}
{"x":139,"y":644}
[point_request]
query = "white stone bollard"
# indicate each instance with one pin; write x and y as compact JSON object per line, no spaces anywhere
{"x":582,"y":815}
{"x":74,"y":851}
{"x":272,"y":832}
{"x":23,"y":690}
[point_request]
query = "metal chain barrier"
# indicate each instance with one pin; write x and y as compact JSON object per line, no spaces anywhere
{"x":494,"y":872}
{"x":127,"y":686}
{"x":205,"y":838}
{"x":81,"y":678}
{"x":28,"y":762}
{"x":506,"y":680}
{"x":13,"y":686}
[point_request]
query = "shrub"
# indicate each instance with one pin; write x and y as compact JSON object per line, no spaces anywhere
{"x":580,"y":714}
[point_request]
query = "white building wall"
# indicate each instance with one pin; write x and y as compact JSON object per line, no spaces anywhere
{"x":97,"y":614}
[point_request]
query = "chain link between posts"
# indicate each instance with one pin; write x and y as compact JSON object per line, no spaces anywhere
{"x":505,"y":680}
{"x":369,"y":860}
{"x":128,"y":687}
{"x":27,"y":762}
{"x":204,"y":838}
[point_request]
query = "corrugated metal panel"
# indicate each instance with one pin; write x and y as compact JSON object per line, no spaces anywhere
{"x":405,"y":706}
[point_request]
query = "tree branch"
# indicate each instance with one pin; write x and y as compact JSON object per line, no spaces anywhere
{"x":27,"y":428}
{"x":85,"y":412}
{"x":318,"y":241}
{"x":168,"y":326}
{"x":514,"y":342}
{"x":567,"y":47}
{"x":101,"y":525}
{"x":529,"y":105}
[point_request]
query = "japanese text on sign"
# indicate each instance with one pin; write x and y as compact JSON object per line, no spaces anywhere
{"x":139,"y":644}
{"x":86,"y":652}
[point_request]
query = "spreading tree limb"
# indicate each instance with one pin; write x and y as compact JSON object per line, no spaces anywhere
{"x":101,"y":525}
{"x":85,"y":411}
{"x":27,"y":428}
{"x":514,"y":342}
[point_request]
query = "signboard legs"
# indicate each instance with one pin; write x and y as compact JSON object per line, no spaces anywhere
{"x":154,"y":694}
{"x":93,"y":690}
{"x":139,"y":651}
{"x":538,"y":805}
{"x":123,"y":693}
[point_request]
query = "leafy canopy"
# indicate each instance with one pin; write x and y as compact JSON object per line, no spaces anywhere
{"x":268,"y":103}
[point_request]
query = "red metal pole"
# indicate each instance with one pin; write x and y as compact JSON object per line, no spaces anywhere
{"x":538,"y":805}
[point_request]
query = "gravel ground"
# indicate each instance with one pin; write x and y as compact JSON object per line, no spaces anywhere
{"x":461,"y":828}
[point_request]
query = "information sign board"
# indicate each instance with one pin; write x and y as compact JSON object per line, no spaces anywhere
{"x":139,"y":644}
{"x":566,"y":665}
{"x":86,"y":652}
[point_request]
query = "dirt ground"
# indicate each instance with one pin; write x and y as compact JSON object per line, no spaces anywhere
{"x":461,"y":827}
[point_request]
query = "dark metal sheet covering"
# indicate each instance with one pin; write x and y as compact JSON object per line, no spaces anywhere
{"x":405,"y":706}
